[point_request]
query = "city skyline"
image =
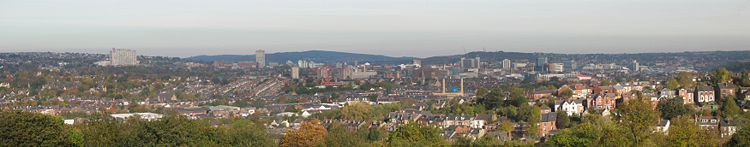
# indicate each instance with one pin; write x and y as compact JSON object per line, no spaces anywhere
{"x":392,"y":28}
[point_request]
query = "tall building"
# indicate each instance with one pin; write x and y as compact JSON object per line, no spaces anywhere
{"x":541,"y":62}
{"x":260,"y":57}
{"x":506,"y":64}
{"x":636,"y":66}
{"x":479,"y":63}
{"x":123,"y":57}
{"x":295,"y":72}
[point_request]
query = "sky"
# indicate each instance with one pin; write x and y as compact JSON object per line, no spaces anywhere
{"x":417,"y":28}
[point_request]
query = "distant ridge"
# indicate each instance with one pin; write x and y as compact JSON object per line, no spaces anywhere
{"x":319,"y":56}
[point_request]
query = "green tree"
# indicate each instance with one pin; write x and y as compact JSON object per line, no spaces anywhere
{"x":672,"y":84}
{"x":567,"y":93}
{"x":20,"y":128}
{"x":533,"y":114}
{"x":99,"y":130}
{"x":247,"y":133}
{"x":671,"y":108}
{"x":339,"y":135}
{"x":741,"y":137}
{"x":685,"y":132}
{"x":685,"y":79}
{"x":414,"y":134}
{"x":729,"y":108}
{"x":721,"y":75}
{"x":636,"y":117}
{"x":357,"y":111}
{"x":563,"y":120}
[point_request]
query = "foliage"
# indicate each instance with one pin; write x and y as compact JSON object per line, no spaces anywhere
{"x":685,"y":79}
{"x":672,"y":84}
{"x":21,"y":128}
{"x":414,"y":134}
{"x":685,"y":132}
{"x":309,"y":134}
{"x":729,"y":108}
{"x":339,"y":135}
{"x":563,"y":120}
{"x":636,"y":118}
{"x":721,"y":75}
{"x":357,"y":111}
{"x":741,"y":137}
{"x":674,"y":107}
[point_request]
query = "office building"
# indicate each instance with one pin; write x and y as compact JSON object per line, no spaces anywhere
{"x":556,"y":67}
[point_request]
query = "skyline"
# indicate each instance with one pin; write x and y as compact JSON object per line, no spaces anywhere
{"x":391,"y":28}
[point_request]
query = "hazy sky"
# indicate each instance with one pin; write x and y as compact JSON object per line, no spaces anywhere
{"x":390,"y":27}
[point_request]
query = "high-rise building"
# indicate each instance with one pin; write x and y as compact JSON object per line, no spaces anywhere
{"x":123,"y":57}
{"x":479,"y":63}
{"x":541,"y":62}
{"x":295,"y":72}
{"x":260,"y":57}
{"x":506,"y":64}
{"x":636,"y":66}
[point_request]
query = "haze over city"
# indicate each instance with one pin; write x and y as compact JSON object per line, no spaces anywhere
{"x":386,"y":27}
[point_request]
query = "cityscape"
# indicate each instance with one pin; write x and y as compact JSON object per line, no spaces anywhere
{"x":375,"y":73}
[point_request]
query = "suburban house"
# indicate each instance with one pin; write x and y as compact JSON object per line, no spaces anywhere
{"x":571,"y":107}
{"x":704,"y":94}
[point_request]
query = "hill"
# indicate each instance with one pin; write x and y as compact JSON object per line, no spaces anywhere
{"x":313,"y":55}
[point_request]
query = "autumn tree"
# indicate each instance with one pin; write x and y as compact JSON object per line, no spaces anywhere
{"x":685,"y":132}
{"x":309,"y":134}
{"x":636,"y":117}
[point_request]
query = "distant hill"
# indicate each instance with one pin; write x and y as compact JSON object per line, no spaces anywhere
{"x":701,"y":60}
{"x":313,"y":55}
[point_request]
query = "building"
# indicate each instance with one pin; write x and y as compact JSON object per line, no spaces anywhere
{"x":295,"y":72}
{"x":417,"y":62}
{"x":704,"y":94}
{"x":556,"y":67}
{"x":686,"y":94}
{"x":571,"y":65}
{"x":260,"y":57}
{"x":123,"y":57}
{"x":727,"y":128}
{"x":469,"y":63}
{"x":540,"y":63}
{"x":147,"y":116}
{"x":636,"y":66}
{"x":571,"y":107}
{"x":725,"y":89}
{"x":506,"y":64}
{"x":708,"y":122}
{"x":547,"y":123}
